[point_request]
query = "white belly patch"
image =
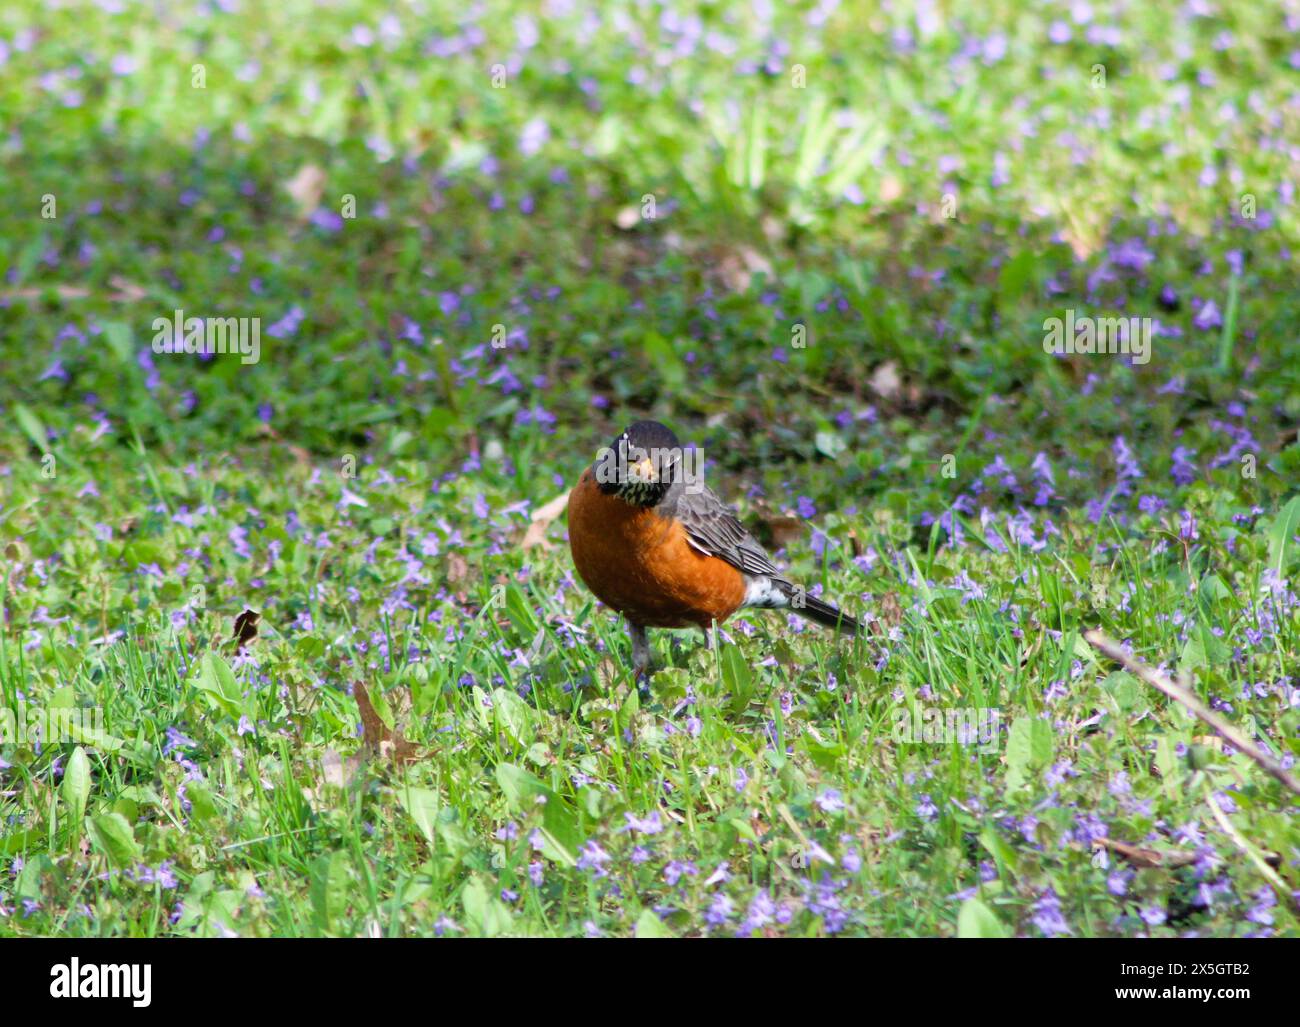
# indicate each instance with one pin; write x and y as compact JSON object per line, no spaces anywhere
{"x":762,"y":592}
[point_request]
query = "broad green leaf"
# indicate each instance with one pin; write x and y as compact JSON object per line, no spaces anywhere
{"x":329,"y":888}
{"x":561,"y":838}
{"x":486,"y":916}
{"x":829,"y":444}
{"x":520,"y":613}
{"x":76,"y":784}
{"x":513,"y":716}
{"x":118,"y":334}
{"x":28,"y":885}
{"x":1029,"y":747}
{"x":1203,"y":649}
{"x":32,"y":427}
{"x":559,"y":829}
{"x":202,"y":806}
{"x":976,"y":920}
{"x":422,"y":804}
{"x":1016,"y":278}
{"x":218,"y":681}
{"x":520,"y":786}
{"x":631,"y":706}
{"x":659,"y":352}
{"x":737,"y":678}
{"x":1168,"y":765}
{"x":1286,"y":525}
{"x":112,"y":835}
{"x":1000,"y":849}
{"x":648,"y":925}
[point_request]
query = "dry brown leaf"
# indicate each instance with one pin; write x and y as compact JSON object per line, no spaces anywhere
{"x":245,"y":628}
{"x":784,"y":528}
{"x":885,"y":381}
{"x":299,"y":454}
{"x":127,"y":292}
{"x":336,"y":772}
{"x":122,"y":292}
{"x":64,"y":292}
{"x":306,"y":188}
{"x":608,"y":674}
{"x":541,"y":521}
{"x":1080,"y":243}
{"x":738,"y":266}
{"x":375,"y":734}
{"x":331,"y":768}
{"x":457,"y":568}
{"x":373,"y":729}
{"x":855,"y":544}
{"x":17,"y":551}
{"x":891,"y":611}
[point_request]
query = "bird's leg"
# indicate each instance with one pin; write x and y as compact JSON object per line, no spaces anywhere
{"x":640,"y":655}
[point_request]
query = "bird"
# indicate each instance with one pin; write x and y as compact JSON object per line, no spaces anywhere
{"x":654,"y":543}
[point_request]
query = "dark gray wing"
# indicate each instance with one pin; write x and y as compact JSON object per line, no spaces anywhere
{"x":713,"y":528}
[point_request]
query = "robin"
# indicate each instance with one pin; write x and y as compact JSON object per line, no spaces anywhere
{"x":653,"y":542}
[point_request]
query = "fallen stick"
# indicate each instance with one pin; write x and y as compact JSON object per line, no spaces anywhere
{"x":1140,"y":856}
{"x":1102,"y":642}
{"x":1143,"y":857}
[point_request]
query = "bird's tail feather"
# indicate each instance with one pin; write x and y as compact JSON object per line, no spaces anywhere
{"x":826,"y":614}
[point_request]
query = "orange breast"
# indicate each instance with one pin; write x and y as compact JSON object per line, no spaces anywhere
{"x":640,"y":563}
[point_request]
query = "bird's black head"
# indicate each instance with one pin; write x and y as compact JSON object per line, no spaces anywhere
{"x":641,"y":464}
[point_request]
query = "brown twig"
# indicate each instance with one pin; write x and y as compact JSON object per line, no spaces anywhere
{"x":1144,"y":857}
{"x":1102,"y":642}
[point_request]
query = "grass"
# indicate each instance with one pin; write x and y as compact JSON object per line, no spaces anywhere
{"x":440,"y":366}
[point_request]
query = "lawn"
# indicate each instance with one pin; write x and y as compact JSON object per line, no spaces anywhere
{"x":825,"y":242}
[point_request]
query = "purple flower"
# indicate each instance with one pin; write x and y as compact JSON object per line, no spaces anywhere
{"x":674,"y":871}
{"x":830,"y":801}
{"x":533,"y":136}
{"x":1047,"y":915}
{"x":1262,"y":912}
{"x":1208,"y":317}
{"x":1151,"y":504}
{"x":1183,"y":470}
{"x":1126,"y":465}
{"x":719,"y":911}
{"x":651,"y":824}
{"x":761,"y":912}
{"x":594,"y":858}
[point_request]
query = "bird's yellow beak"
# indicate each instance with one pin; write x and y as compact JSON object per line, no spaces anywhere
{"x":644,"y":471}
